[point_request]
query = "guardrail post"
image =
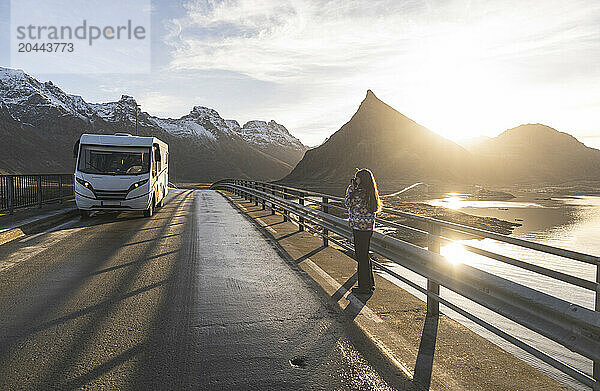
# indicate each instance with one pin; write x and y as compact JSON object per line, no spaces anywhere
{"x":433,"y":306}
{"x":596,"y":371}
{"x":255,"y":187}
{"x":262,"y":188}
{"x":11,"y":201}
{"x":285,"y":213}
{"x":38,"y":181}
{"x":300,"y":218}
{"x":60,"y":189}
{"x":272,"y":203}
{"x":325,"y":209}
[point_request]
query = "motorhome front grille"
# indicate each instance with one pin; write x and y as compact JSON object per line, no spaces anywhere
{"x":111,"y":194}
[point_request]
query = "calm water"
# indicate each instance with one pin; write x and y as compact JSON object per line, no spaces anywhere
{"x":571,"y":223}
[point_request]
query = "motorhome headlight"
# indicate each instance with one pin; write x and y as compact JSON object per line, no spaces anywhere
{"x":84,"y":183}
{"x":137,"y":184}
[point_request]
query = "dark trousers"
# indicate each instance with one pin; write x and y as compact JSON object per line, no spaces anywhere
{"x":362,"y":240}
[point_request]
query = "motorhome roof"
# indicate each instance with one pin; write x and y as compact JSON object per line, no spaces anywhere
{"x":120,"y":139}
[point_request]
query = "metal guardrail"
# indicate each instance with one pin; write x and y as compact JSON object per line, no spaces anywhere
{"x":18,"y":191}
{"x":575,"y":327}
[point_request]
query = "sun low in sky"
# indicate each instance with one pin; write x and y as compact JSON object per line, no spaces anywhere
{"x":461,"y":68}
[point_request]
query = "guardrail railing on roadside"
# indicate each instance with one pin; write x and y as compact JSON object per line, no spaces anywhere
{"x":18,"y":191}
{"x":575,"y":327}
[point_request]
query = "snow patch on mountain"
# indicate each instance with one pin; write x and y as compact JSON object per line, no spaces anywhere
{"x":209,"y":118}
{"x":122,"y":110}
{"x":263,"y":133}
{"x":183,"y":127}
{"x":233,"y":125}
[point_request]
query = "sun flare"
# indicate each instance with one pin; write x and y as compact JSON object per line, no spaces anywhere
{"x":453,"y":202}
{"x":454,"y":252}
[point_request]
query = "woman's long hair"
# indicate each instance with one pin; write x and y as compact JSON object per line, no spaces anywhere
{"x":369,"y":186}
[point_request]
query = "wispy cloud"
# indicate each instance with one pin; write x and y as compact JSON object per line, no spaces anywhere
{"x":288,"y":40}
{"x":460,"y":67}
{"x":162,"y":105}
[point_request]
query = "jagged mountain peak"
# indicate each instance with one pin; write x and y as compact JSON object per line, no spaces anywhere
{"x":272,"y":138}
{"x":256,"y":123}
{"x":265,"y":132}
{"x":272,"y":124}
{"x":372,"y":100}
{"x":373,"y":109}
{"x":206,"y":122}
{"x":371,"y":95}
{"x":128,"y":99}
{"x":7,"y":73}
{"x":204,"y":111}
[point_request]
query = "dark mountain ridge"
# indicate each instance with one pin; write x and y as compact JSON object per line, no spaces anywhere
{"x":399,"y":150}
{"x":389,"y":143}
{"x":536,"y":153}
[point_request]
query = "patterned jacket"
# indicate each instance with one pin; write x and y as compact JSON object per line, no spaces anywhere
{"x":359,"y":216}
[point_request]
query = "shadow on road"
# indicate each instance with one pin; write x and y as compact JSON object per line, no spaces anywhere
{"x":340,"y":336}
{"x":309,"y":254}
{"x":425,"y":358}
{"x":424,"y":363}
{"x":58,"y":287}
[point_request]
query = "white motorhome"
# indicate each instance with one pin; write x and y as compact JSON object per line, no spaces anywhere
{"x":120,"y":172}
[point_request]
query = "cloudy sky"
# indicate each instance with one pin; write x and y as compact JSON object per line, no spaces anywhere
{"x":462,"y":68}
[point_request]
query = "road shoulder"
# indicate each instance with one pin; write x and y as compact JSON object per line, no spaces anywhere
{"x":439,"y":354}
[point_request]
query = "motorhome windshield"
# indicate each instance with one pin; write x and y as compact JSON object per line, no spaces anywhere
{"x":97,"y":159}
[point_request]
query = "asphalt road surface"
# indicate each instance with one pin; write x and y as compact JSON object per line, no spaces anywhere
{"x":192,"y":298}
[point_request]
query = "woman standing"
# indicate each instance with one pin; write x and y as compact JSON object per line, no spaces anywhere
{"x":363,"y":203}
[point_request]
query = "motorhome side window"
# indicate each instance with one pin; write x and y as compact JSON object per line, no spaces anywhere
{"x":154,"y":162}
{"x":114,"y":160}
{"x":157,"y":161}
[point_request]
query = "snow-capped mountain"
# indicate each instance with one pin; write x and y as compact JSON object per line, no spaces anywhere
{"x":272,"y":138}
{"x":46,"y":122}
{"x":20,"y":92}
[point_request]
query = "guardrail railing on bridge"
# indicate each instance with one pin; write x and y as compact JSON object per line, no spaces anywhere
{"x":17,"y":191}
{"x":575,"y":327}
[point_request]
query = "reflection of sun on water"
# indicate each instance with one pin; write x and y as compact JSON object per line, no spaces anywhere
{"x":455,"y":253}
{"x":453,"y":202}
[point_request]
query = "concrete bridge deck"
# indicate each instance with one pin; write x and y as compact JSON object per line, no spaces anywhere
{"x":197,"y":298}
{"x":193,"y":298}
